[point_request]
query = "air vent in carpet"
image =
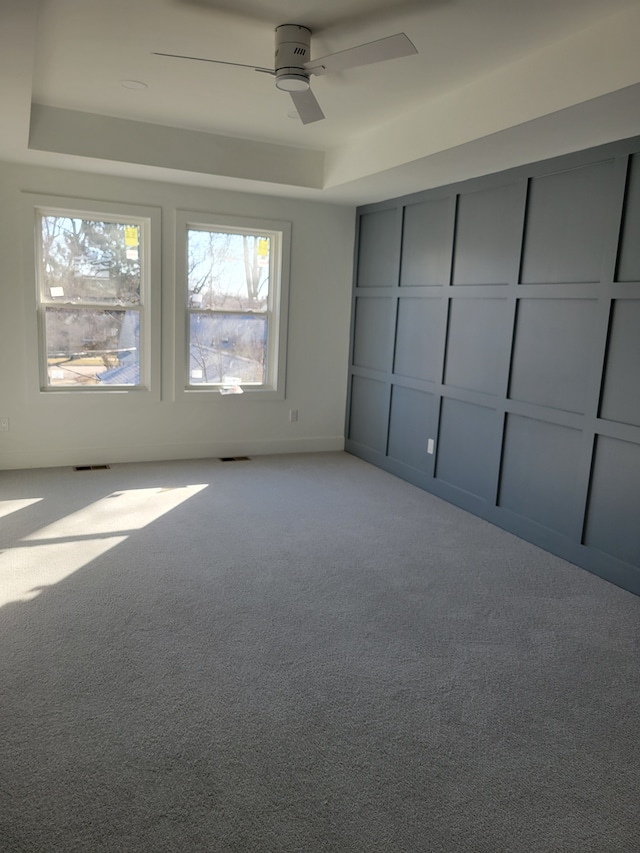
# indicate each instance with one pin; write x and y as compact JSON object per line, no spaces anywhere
{"x":91,"y":467}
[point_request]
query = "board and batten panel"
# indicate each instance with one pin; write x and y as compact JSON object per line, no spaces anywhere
{"x":629,"y":258}
{"x":418,"y":338}
{"x":567,"y":216}
{"x":465,"y":429}
{"x":378,"y":249}
{"x":550,"y":365}
{"x":427,"y":233}
{"x":369,"y":413}
{"x":507,"y":342}
{"x":487,"y":244}
{"x":373,"y":333}
{"x":621,"y":390}
{"x":613,"y":522}
{"x":478,"y":342}
{"x":409,"y":423}
{"x":540,"y":471}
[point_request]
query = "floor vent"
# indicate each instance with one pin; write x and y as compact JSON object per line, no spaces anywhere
{"x":235,"y":459}
{"x":91,"y":467}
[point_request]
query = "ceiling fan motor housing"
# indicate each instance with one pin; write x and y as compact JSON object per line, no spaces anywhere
{"x":292,"y":51}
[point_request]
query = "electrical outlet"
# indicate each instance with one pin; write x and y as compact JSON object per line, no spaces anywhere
{"x":4,"y":424}
{"x":293,"y":415}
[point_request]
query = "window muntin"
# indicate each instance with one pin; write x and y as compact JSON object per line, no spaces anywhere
{"x":92,"y":292}
{"x":233,"y":279}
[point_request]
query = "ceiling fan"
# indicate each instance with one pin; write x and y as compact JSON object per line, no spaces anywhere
{"x":292,"y":66}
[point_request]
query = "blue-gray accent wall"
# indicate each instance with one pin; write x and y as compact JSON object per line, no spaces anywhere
{"x":499,"y":321}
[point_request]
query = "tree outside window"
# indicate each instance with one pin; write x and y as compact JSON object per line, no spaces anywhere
{"x":90,"y":300}
{"x":230,"y":307}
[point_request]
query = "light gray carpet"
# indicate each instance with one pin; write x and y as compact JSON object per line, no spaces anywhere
{"x":302,"y":653}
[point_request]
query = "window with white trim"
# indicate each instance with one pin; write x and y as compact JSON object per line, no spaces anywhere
{"x":93,"y":286}
{"x":236,"y":298}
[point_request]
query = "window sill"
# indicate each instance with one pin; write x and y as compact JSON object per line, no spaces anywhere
{"x":262,"y":393}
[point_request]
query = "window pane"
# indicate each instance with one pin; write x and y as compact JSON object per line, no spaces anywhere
{"x":227,"y":348}
{"x":90,"y":261}
{"x":92,"y":347}
{"x":228,"y":272}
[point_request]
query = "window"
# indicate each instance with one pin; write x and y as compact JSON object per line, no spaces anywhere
{"x":235,"y":305}
{"x":92,"y":273}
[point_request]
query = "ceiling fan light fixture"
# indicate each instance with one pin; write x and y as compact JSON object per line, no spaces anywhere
{"x":292,"y":82}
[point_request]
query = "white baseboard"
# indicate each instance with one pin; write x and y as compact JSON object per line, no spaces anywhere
{"x":55,"y":457}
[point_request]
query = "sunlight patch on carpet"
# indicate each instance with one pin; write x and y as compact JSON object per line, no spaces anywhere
{"x":8,"y":507}
{"x":57,"y":550}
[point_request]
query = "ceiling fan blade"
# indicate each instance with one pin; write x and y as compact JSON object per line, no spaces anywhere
{"x":392,"y":47}
{"x":216,"y":61}
{"x":308,"y":108}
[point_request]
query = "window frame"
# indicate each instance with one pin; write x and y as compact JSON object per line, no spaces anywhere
{"x":279,"y":233}
{"x":149,"y":221}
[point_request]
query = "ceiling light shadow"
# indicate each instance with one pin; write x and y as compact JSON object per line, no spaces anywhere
{"x":316,"y":16}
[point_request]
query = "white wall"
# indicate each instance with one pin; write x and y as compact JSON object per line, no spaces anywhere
{"x":62,"y":429}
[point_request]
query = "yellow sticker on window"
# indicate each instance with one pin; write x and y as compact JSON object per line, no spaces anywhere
{"x":263,"y":246}
{"x":131,"y":235}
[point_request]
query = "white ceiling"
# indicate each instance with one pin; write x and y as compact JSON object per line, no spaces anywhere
{"x":495,"y":83}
